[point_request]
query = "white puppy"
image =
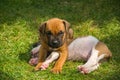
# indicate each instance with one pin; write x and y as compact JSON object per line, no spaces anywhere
{"x":86,"y":48}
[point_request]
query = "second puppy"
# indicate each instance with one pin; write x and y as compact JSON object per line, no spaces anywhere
{"x":87,"y":48}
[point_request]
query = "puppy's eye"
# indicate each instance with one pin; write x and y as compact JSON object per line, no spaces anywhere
{"x":48,"y":33}
{"x":60,"y":33}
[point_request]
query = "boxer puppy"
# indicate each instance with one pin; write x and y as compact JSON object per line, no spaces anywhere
{"x":53,"y":35}
{"x":86,"y":48}
{"x":36,"y":46}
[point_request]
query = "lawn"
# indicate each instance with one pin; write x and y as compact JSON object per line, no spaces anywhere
{"x":19,"y":22}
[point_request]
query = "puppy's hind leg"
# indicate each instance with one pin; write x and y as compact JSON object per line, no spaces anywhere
{"x":103,"y":50}
{"x":94,"y":67}
{"x":91,"y":61}
{"x":90,"y":69}
{"x":34,"y":55}
{"x":103,"y":53}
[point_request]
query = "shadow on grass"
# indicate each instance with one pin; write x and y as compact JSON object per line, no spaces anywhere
{"x":113,"y":42}
{"x":114,"y":76}
{"x":25,"y":56}
{"x":5,"y":76}
{"x":75,"y":11}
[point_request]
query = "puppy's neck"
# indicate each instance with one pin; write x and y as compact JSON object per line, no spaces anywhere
{"x":53,"y":49}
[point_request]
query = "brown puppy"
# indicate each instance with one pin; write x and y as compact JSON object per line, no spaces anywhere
{"x":53,"y":35}
{"x":36,"y":46}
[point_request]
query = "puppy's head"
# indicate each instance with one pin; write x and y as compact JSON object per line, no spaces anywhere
{"x":54,"y":32}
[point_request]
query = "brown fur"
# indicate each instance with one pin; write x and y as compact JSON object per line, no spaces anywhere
{"x":54,"y":25}
{"x":103,"y":49}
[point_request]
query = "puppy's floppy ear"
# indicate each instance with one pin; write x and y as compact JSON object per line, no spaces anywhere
{"x":70,"y":33}
{"x":42,"y":28}
{"x":68,"y":29}
{"x":66,"y":24}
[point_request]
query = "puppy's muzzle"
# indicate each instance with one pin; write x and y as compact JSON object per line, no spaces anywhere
{"x":55,"y":44}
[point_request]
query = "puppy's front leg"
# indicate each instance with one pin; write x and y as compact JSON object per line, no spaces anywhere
{"x":53,"y":56}
{"x":59,"y":63}
{"x":42,"y":56}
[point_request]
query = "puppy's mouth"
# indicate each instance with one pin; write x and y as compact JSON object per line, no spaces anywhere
{"x":54,"y":46}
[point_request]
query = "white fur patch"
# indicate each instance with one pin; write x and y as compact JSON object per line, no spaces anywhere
{"x":81,"y":48}
{"x":36,"y":49}
{"x":53,"y":56}
{"x":100,"y":57}
{"x":93,"y":60}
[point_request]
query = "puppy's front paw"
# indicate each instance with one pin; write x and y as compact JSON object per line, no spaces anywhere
{"x":44,"y":66}
{"x":56,"y":70}
{"x":37,"y":67}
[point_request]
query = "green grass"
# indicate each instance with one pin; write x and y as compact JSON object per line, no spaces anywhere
{"x":19,"y":21}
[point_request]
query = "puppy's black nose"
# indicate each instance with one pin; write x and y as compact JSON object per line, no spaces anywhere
{"x":55,"y":42}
